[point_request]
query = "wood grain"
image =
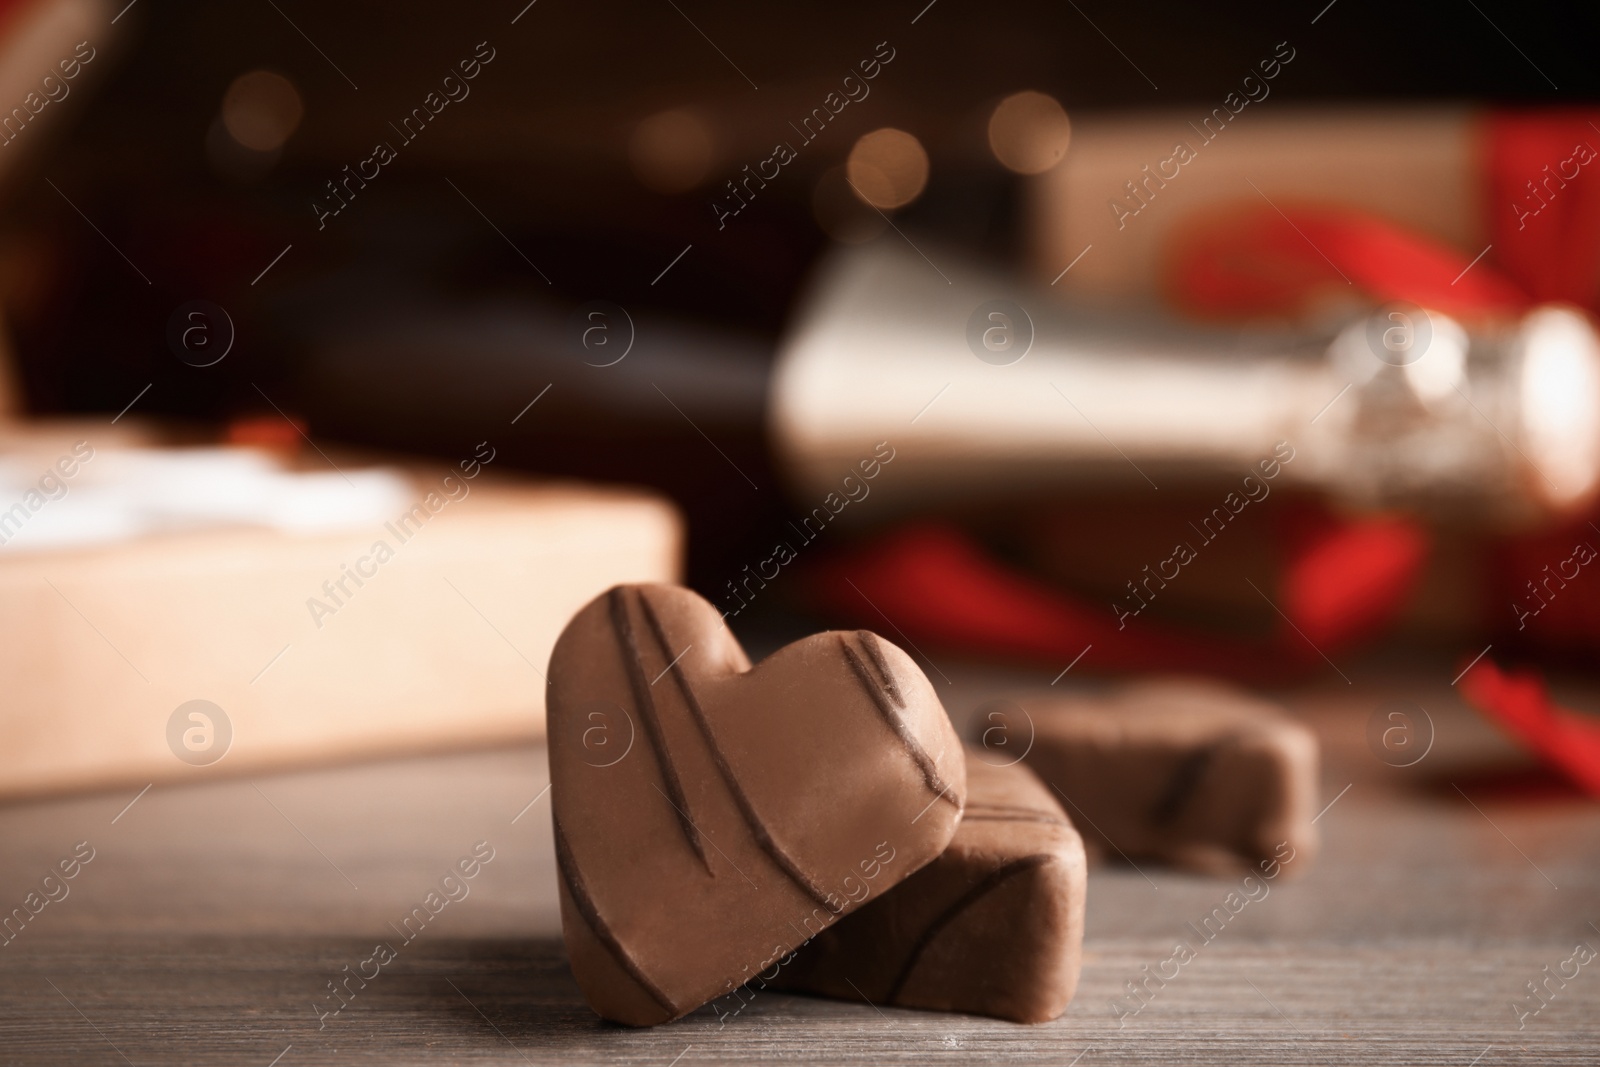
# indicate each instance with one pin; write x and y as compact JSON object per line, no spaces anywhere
{"x":213,"y":915}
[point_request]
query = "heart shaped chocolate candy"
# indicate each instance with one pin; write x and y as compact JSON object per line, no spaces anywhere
{"x":709,"y":816}
{"x":994,"y":926}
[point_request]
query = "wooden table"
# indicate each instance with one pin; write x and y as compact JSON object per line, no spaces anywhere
{"x":213,"y":916}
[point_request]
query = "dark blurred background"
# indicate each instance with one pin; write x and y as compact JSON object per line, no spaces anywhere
{"x":429,"y":311}
{"x":541,"y":149}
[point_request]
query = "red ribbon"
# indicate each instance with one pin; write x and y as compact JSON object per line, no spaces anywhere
{"x":1261,"y":261}
{"x":1564,"y":739}
{"x":1544,"y":225}
{"x":934,"y":584}
{"x":1540,"y":200}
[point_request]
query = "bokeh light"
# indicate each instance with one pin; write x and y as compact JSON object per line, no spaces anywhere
{"x":261,"y":110}
{"x":672,"y":151}
{"x":888,"y":168}
{"x":1029,"y":132}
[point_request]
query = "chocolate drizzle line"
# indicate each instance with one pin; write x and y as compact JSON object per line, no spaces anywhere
{"x":758,"y":829}
{"x":977,"y":815}
{"x":646,"y":706}
{"x":1185,"y":780}
{"x":979,"y":805}
{"x":869,"y":641}
{"x":572,"y":877}
{"x":879,"y":691}
{"x":954,"y":912}
{"x":977,"y":809}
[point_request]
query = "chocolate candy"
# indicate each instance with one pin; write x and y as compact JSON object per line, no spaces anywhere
{"x":1188,"y":772}
{"x":994,"y":926}
{"x":711,"y":816}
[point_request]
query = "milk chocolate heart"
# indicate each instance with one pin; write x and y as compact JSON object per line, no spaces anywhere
{"x":709,"y":816}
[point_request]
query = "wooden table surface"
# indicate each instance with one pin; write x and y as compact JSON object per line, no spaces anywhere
{"x":212,"y":917}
